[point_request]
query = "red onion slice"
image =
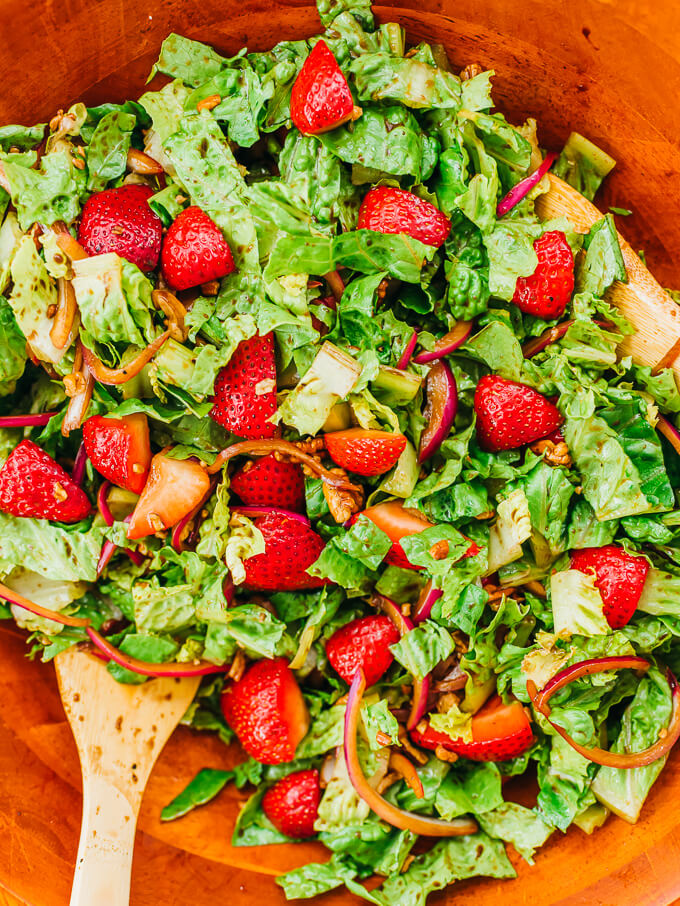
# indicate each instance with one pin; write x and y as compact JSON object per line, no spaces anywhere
{"x":421,"y":692}
{"x":522,"y":189}
{"x":108,"y":547}
{"x":547,"y":338}
{"x":669,"y":431}
{"x":26,"y":421}
{"x":447,"y":344}
{"x":15,"y":598}
{"x":147,"y":669}
{"x":79,"y":465}
{"x":440,"y":409}
{"x":405,"y":357}
{"x":102,"y":503}
{"x":428,"y":598}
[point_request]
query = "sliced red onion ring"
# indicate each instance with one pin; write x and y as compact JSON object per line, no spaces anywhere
{"x":418,"y":824}
{"x":15,"y":598}
{"x":26,"y":421}
{"x":390,"y":609}
{"x":108,"y":547}
{"x":106,"y":375}
{"x":252,"y":512}
{"x":522,"y":189}
{"x":604,"y":757}
{"x":79,"y":465}
{"x":405,"y":358}
{"x":440,"y":409}
{"x":102,"y":503}
{"x":421,"y":692}
{"x":428,"y":597}
{"x":669,"y":431}
{"x":147,"y":669}
{"x":335,"y":283}
{"x":547,"y":338}
{"x":447,"y":344}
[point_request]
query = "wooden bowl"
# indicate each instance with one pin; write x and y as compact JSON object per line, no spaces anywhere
{"x":608,"y":69}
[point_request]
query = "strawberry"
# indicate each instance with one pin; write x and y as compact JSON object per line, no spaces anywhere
{"x":321,"y":99}
{"x":363,"y":643}
{"x":119,"y":449}
{"x":194,"y":251}
{"x":245,"y":389}
{"x":292,"y":804}
{"x":290,"y":547}
{"x":389,"y":210}
{"x":120,"y":220}
{"x":619,"y":577}
{"x":266,"y":710}
{"x":510,"y":414}
{"x":546,"y":292}
{"x":365,"y":452}
{"x":499,"y":732}
{"x":271,"y":482}
{"x":173,"y":489}
{"x":33,"y":485}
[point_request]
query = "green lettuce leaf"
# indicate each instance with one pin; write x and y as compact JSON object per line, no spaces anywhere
{"x":48,"y":194}
{"x":108,"y":148}
{"x":420,"y":650}
{"x":523,"y":827}
{"x":190,"y":61}
{"x":383,"y":77}
{"x":603,"y":261}
{"x":470,"y":788}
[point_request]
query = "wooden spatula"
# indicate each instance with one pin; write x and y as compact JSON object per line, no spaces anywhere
{"x":120,"y":731}
{"x":648,"y":307}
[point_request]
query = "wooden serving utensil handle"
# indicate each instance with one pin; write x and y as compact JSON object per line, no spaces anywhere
{"x":107,"y":836}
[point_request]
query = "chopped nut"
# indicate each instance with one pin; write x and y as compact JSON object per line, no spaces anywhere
{"x":80,"y":150}
{"x":408,"y":861}
{"x":156,"y":522}
{"x":180,"y":199}
{"x":265,"y":386}
{"x":416,"y":754}
{"x":444,"y":754}
{"x":59,"y":492}
{"x":343,"y":503}
{"x":117,"y":230}
{"x":209,"y":103}
{"x":460,"y":642}
{"x":382,"y":738}
{"x":51,"y":310}
{"x":487,"y":514}
{"x":446,"y":701}
{"x":470,"y":71}
{"x":55,"y":122}
{"x":536,"y":587}
{"x":311,"y":445}
{"x":238,"y":666}
{"x":211,"y":288}
{"x":439,"y":550}
{"x":553,"y":454}
{"x":79,"y":164}
{"x":138,"y":468}
{"x":140,"y":162}
{"x":74,"y":384}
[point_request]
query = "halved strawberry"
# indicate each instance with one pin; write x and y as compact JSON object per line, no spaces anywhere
{"x":245,"y":389}
{"x":386,"y":209}
{"x":121,"y":221}
{"x":510,"y":414}
{"x":546,"y":292}
{"x":172,"y":490}
{"x":363,"y":643}
{"x":290,"y":548}
{"x":398,"y":521}
{"x":266,"y":710}
{"x":619,"y":577}
{"x":499,"y":732}
{"x":119,"y":449}
{"x":194,"y":251}
{"x":33,"y":485}
{"x":292,"y":804}
{"x":321,"y":99}
{"x":365,"y":452}
{"x":271,"y":482}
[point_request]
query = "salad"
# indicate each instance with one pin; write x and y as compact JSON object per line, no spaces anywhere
{"x":300,"y":394}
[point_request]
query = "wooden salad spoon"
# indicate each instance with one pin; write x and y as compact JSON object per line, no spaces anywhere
{"x":648,"y":307}
{"x":119,"y":731}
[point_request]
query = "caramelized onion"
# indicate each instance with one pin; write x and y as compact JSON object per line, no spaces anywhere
{"x":79,"y":403}
{"x":106,"y":375}
{"x":408,"y":771}
{"x":201,"y":668}
{"x":15,"y":598}
{"x":69,"y":246}
{"x":66,"y":313}
{"x":174,"y":311}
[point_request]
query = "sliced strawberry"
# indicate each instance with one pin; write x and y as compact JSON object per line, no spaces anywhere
{"x":292,"y":804}
{"x":172,"y":490}
{"x":398,"y":521}
{"x":546,"y":292}
{"x":266,"y":710}
{"x":363,"y":643}
{"x":245,"y":389}
{"x":33,"y":485}
{"x":321,"y":99}
{"x":121,"y":221}
{"x":365,"y":452}
{"x":499,"y":732}
{"x":390,"y":210}
{"x":290,"y":548}
{"x":619,"y":577}
{"x":119,"y":449}
{"x":510,"y":414}
{"x":271,"y":482}
{"x":194,"y":251}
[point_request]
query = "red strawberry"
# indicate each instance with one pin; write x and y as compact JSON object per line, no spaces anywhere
{"x":321,"y":99}
{"x":363,"y":643}
{"x":32,"y":484}
{"x":389,"y":210}
{"x":546,"y":292}
{"x":499,"y":732}
{"x":266,"y":710}
{"x":173,"y":489}
{"x":194,"y":251}
{"x":365,"y":452}
{"x":292,"y":804}
{"x":619,"y":577}
{"x":271,"y":482}
{"x":119,"y":449}
{"x":290,"y":547}
{"x":121,"y":221}
{"x":510,"y":414}
{"x":245,"y":389}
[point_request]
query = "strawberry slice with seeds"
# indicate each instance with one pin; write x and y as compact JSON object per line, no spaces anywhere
{"x":363,"y":643}
{"x":194,"y":251}
{"x":245,"y":390}
{"x":321,"y":99}
{"x":121,"y":221}
{"x":271,"y":482}
{"x":291,"y":547}
{"x":546,"y":292}
{"x":173,"y":489}
{"x":34,"y":486}
{"x":119,"y":449}
{"x":510,"y":414}
{"x":266,"y":710}
{"x":292,"y":804}
{"x":619,"y":577}
{"x":365,"y":452}
{"x":499,"y":732}
{"x":390,"y":210}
